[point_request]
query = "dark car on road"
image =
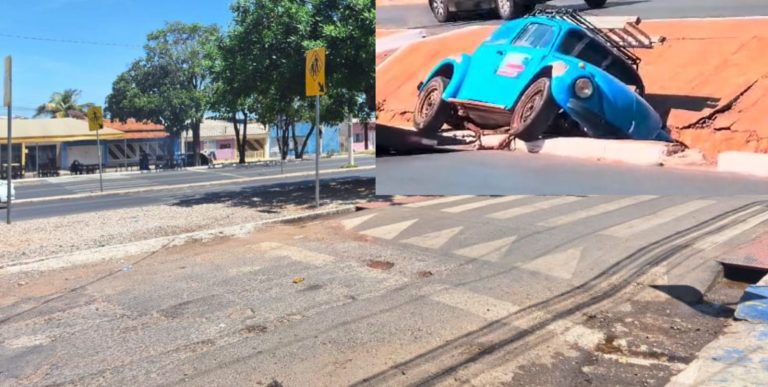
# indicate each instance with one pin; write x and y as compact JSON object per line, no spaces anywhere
{"x":448,"y":10}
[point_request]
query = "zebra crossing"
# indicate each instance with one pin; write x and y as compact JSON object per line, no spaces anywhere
{"x":627,"y":224}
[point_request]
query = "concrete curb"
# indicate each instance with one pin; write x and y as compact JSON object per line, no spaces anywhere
{"x":747,"y":163}
{"x":151,"y":246}
{"x":397,"y":40}
{"x":191,"y":185}
{"x":648,"y":153}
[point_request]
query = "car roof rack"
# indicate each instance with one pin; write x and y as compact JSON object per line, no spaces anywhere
{"x":573,"y":16}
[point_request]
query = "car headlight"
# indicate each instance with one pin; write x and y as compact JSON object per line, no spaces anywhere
{"x":584,"y":88}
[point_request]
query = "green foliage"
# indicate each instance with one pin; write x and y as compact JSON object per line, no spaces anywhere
{"x":169,"y":85}
{"x":64,"y":104}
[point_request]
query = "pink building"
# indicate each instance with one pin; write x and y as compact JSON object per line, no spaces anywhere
{"x":361,"y":143}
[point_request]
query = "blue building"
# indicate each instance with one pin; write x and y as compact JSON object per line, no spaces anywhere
{"x":331,"y":142}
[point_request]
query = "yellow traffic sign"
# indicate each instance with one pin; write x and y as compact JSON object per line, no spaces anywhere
{"x":315,"y":72}
{"x":95,"y":118}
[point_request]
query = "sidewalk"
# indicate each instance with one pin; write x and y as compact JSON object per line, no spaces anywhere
{"x":740,"y":355}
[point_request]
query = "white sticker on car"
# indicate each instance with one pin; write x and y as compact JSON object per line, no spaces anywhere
{"x":512,"y":65}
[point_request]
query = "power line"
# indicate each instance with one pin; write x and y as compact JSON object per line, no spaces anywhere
{"x":54,"y":40}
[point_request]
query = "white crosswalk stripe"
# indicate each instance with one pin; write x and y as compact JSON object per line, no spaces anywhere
{"x":561,"y":264}
{"x":447,"y":199}
{"x":731,"y":232}
{"x":489,"y":251}
{"x":543,"y":205}
{"x":481,"y":305}
{"x":594,"y":211}
{"x":434,"y":240}
{"x":482,"y":203}
{"x":354,"y":222}
{"x":389,"y":231}
{"x":646,"y":222}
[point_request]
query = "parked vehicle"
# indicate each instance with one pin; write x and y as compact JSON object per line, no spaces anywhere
{"x":449,"y":10}
{"x":4,"y":193}
{"x":553,"y":73}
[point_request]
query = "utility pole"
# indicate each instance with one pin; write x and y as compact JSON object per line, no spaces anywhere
{"x":7,"y":102}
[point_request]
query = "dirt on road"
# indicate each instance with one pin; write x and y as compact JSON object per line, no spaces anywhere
{"x":706,"y":79}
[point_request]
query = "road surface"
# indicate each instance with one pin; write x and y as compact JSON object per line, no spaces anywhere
{"x":461,"y":290}
{"x":510,"y":173}
{"x":60,"y":186}
{"x":197,"y":195}
{"x":419,"y":16}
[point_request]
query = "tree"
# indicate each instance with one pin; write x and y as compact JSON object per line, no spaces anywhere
{"x":269,"y":38}
{"x":170,"y":84}
{"x":64,"y":104}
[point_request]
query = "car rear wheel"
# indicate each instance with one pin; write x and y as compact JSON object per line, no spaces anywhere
{"x":534,"y":112}
{"x":431,"y":110}
{"x":595,"y":3}
{"x":510,"y":9}
{"x":440,"y":10}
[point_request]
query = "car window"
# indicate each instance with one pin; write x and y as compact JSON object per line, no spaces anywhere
{"x":535,"y":35}
{"x":580,"y":45}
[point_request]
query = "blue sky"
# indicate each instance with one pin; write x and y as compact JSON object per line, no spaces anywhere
{"x":42,"y":67}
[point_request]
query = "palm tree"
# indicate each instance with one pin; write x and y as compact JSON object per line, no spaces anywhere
{"x":64,"y":104}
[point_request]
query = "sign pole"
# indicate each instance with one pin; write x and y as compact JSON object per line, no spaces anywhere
{"x":351,"y":143}
{"x":317,"y":151}
{"x":98,"y":145}
{"x":7,"y":102}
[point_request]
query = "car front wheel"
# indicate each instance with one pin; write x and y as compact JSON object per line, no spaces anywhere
{"x":510,"y":9}
{"x":534,"y":112}
{"x":432,"y":111}
{"x":595,"y":3}
{"x":440,"y":10}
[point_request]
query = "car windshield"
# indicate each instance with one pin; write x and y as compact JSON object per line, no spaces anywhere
{"x":535,"y":35}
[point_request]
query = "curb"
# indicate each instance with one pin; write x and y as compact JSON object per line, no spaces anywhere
{"x":151,"y":246}
{"x":397,"y":40}
{"x":175,"y":186}
{"x":747,"y":163}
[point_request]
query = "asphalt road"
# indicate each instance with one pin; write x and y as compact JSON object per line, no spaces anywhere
{"x":512,"y":173}
{"x":118,"y":181}
{"x":419,"y":16}
{"x":458,"y":291}
{"x":62,"y":207}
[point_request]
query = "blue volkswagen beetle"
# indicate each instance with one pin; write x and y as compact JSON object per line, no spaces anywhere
{"x":550,"y":74}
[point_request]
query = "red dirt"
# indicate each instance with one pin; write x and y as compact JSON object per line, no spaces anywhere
{"x":706,"y":79}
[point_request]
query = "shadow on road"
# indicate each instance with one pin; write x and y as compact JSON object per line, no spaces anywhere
{"x":275,"y":197}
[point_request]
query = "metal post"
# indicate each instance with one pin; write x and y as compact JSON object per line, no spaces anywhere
{"x":125,"y":154}
{"x":351,"y":144}
{"x":37,"y":159}
{"x":8,"y":103}
{"x":9,"y":168}
{"x":317,"y":151}
{"x":98,"y":145}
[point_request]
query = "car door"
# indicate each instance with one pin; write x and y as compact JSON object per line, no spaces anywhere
{"x":501,"y":69}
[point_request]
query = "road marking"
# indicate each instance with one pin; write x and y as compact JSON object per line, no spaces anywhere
{"x":561,"y":264}
{"x":447,"y":199}
{"x":434,"y":240}
{"x":641,"y":224}
{"x":274,"y":250}
{"x":486,"y":307}
{"x":354,"y":222}
{"x":482,"y":203}
{"x":594,"y":211}
{"x":730,"y":232}
{"x":543,"y":205}
{"x":489,"y":251}
{"x":389,"y":231}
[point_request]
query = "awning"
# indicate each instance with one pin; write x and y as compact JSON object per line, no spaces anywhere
{"x":54,"y":130}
